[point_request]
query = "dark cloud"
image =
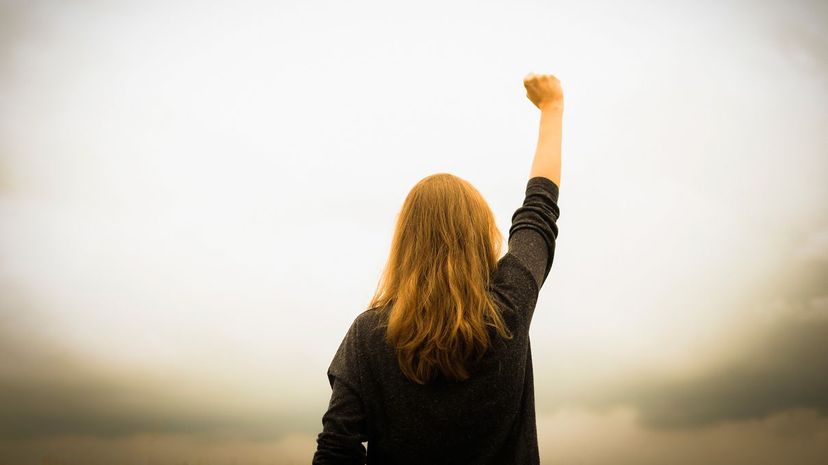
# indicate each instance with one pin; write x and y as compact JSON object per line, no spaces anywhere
{"x":783,"y":369}
{"x":788,"y":371}
{"x":46,"y":390}
{"x":60,"y":396}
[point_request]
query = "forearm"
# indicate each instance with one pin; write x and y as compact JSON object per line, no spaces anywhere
{"x":547,"y":161}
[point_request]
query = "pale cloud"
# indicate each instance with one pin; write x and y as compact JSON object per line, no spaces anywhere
{"x":814,"y":246}
{"x":570,"y":436}
{"x":577,"y":436}
{"x":159,"y":449}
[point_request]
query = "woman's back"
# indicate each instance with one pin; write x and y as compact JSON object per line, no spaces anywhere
{"x":486,"y":419}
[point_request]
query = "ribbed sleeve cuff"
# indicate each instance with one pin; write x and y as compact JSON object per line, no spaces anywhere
{"x":543,"y":183}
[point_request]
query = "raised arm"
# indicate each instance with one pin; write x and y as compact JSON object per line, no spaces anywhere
{"x":534,"y":231}
{"x":544,"y":90}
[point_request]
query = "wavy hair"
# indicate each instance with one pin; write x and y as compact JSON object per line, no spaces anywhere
{"x":434,"y":290}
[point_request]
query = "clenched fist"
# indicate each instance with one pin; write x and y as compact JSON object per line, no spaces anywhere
{"x":544,"y":90}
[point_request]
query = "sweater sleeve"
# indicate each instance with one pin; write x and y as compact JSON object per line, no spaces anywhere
{"x":534,"y":228}
{"x":345,"y":422}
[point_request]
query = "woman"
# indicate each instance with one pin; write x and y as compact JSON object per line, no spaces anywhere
{"x":439,"y":368}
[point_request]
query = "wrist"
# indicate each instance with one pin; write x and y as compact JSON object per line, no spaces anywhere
{"x":552,"y":107}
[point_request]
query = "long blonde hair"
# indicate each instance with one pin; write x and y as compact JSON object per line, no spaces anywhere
{"x":434,"y":290}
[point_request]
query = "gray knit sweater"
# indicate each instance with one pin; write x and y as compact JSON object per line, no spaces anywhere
{"x":488,"y":419}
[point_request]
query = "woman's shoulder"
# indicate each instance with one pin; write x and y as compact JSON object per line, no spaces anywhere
{"x":515,"y":288}
{"x":370,"y":320}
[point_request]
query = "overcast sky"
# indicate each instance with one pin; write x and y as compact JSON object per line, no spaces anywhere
{"x":197,"y":199}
